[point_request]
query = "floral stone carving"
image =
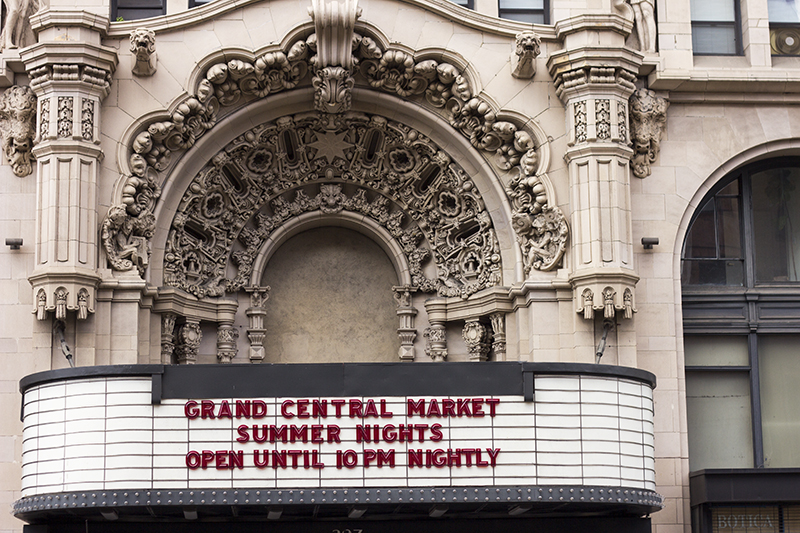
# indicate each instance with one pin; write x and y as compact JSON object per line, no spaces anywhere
{"x":18,"y":127}
{"x":143,"y":48}
{"x":364,"y":164}
{"x":527,"y":47}
{"x":648,"y":118}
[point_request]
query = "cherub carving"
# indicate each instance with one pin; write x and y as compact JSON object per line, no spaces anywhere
{"x":126,"y":238}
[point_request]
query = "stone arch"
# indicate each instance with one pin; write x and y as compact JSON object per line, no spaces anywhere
{"x":359,"y":168}
{"x":344,"y":219}
{"x":514,"y":147}
{"x":768,"y":150}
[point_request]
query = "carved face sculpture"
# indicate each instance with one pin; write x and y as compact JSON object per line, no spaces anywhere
{"x":143,"y":43}
{"x":18,"y":151}
{"x":528,"y":45}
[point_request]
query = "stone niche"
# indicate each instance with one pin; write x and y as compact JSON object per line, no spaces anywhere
{"x":331,"y":300}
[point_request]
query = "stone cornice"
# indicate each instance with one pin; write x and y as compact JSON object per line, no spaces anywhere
{"x":69,"y":53}
{"x":48,"y":18}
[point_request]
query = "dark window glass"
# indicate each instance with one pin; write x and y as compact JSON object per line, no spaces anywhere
{"x":742,"y":343}
{"x":776,"y":224}
{"x":531,"y":11}
{"x":137,"y":9}
{"x":716,"y":29}
{"x":713,"y":248}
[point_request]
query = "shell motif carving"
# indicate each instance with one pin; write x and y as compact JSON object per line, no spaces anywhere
{"x":362,"y":164}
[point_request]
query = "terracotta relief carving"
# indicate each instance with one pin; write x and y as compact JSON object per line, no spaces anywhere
{"x":64,"y":116}
{"x":648,"y":118}
{"x":602,"y":112}
{"x":436,"y":342}
{"x":18,"y":128}
{"x":360,"y":163}
{"x":189,"y":337}
{"x":475,"y":337}
{"x":87,"y":119}
{"x":439,"y":84}
{"x":44,"y":119}
{"x":143,"y":48}
{"x":527,"y":47}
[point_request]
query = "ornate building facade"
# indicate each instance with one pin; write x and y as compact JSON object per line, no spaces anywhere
{"x":233,"y":216}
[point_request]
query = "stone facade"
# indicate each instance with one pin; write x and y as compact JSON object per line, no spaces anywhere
{"x":492,"y":185}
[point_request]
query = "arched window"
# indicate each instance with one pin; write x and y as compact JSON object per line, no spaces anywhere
{"x":741,"y":297}
{"x":741,"y":316}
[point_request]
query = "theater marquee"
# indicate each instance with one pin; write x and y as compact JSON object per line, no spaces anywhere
{"x":150,"y":436}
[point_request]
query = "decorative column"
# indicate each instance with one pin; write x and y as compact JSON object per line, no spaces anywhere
{"x":407,"y":313}
{"x":594,"y":75}
{"x":256,"y":314}
{"x":474,"y":334}
{"x":227,"y":335}
{"x":70,"y":73}
{"x":498,"y":335}
{"x":189,"y":337}
{"x":436,"y":334}
{"x":167,"y":337}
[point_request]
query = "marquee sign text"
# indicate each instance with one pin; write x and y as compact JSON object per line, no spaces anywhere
{"x":376,"y":428}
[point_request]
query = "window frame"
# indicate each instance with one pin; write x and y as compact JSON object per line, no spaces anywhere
{"x":737,"y":310}
{"x":115,"y":8}
{"x":737,"y":31}
{"x":545,"y":11}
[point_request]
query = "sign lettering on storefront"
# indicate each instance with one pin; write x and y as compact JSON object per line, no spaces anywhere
{"x":427,"y":430}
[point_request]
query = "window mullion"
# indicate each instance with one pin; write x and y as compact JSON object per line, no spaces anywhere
{"x":748,"y":248}
{"x":755,"y":401}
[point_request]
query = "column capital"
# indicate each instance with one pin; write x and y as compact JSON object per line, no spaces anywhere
{"x":82,"y":68}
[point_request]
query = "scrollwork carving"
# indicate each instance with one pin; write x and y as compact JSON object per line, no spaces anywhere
{"x":18,"y":128}
{"x":332,"y":88}
{"x":441,"y":84}
{"x":648,"y":118}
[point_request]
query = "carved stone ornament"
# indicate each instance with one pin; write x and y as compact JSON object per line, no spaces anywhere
{"x":333,"y":63}
{"x":527,"y":47}
{"x":143,"y":48}
{"x":189,"y":337}
{"x":648,"y":118}
{"x":438,"y":84}
{"x":83,"y":304}
{"x":362,"y":164}
{"x":436,"y":342}
{"x":61,"y":303}
{"x":41,"y":305}
{"x":642,"y":12}
{"x":97,"y":79}
{"x":475,"y":337}
{"x":332,"y":90}
{"x":18,"y":128}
